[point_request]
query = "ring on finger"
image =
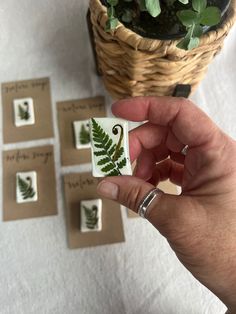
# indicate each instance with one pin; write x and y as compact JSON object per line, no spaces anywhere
{"x":185,"y":150}
{"x":147,"y":201}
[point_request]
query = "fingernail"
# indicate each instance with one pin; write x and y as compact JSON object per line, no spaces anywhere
{"x":108,"y":190}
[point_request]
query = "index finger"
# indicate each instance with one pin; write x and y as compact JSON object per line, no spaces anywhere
{"x":190,"y":125}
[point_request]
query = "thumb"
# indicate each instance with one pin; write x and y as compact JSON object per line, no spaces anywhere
{"x":130,"y":191}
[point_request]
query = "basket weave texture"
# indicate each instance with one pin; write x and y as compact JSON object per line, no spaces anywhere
{"x":132,"y":65}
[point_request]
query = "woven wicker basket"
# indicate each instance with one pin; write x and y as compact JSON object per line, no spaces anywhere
{"x":135,"y":66}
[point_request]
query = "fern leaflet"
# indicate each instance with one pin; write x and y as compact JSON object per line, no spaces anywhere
{"x":84,"y":135}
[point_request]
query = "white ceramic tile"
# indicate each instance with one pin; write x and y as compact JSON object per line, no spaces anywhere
{"x":93,"y":208}
{"x":26,"y":187}
{"x":24,"y":111}
{"x":81,"y":134}
{"x":110,"y":162}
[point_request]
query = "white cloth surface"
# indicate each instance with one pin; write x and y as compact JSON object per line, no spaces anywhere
{"x":38,"y":273}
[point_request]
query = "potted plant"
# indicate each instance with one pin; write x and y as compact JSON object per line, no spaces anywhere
{"x":148,"y":47}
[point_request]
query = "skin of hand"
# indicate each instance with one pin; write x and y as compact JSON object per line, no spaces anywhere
{"x":199,"y":224}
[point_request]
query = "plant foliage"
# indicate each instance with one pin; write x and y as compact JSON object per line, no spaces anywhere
{"x":196,"y":15}
{"x":111,"y":155}
{"x":84,"y":135}
{"x":25,"y":187}
{"x":91,"y":216}
{"x":24,"y":112}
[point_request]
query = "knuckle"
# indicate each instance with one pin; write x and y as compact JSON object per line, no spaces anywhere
{"x":133,"y":197}
{"x":185,"y":101}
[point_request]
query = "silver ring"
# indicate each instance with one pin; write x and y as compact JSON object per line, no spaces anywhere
{"x":147,"y":200}
{"x":185,"y":150}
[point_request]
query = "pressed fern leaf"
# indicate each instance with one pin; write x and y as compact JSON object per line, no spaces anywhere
{"x":84,"y":135}
{"x":23,"y":113}
{"x":25,"y":187}
{"x":107,"y":150}
{"x":91,"y":216}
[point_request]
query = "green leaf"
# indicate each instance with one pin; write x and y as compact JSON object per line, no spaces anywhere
{"x":100,"y":153}
{"x":199,"y":5}
{"x":191,"y":40}
{"x":127,"y":16}
{"x":110,"y":12}
{"x":187,"y":17}
{"x":113,"y":2}
{"x":210,"y":16}
{"x":84,"y":135}
{"x":153,"y":7}
{"x":25,"y":187}
{"x":193,"y":43}
{"x":183,"y":44}
{"x":198,"y":31}
{"x":108,"y":168}
{"x":111,"y":24}
{"x":103,"y":161}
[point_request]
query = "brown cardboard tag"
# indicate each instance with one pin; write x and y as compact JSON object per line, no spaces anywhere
{"x":82,"y":186}
{"x":75,"y":110}
{"x":39,"y":90}
{"x":166,"y":187}
{"x":41,"y":160}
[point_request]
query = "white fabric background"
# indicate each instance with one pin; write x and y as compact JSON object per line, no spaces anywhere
{"x":38,"y":273}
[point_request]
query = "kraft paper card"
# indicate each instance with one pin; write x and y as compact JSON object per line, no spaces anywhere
{"x":69,"y":112}
{"x":39,"y":160}
{"x":165,"y":186}
{"x":37,"y":92}
{"x":82,"y":186}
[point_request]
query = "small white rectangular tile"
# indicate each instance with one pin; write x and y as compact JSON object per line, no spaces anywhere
{"x":82,"y":134}
{"x":26,"y":187}
{"x":110,"y":147}
{"x":91,"y":215}
{"x":24,"y":112}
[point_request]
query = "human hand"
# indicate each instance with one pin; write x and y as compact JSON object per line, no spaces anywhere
{"x":199,"y":224}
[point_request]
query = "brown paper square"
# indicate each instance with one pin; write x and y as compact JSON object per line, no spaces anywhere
{"x":41,"y":160}
{"x":165,"y":186}
{"x":68,"y":112}
{"x":39,"y":90}
{"x":83,"y":187}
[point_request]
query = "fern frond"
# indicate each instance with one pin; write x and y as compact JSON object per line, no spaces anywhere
{"x":84,"y":135}
{"x":25,"y":188}
{"x":109,"y":152}
{"x":91,"y":216}
{"x":23,"y":113}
